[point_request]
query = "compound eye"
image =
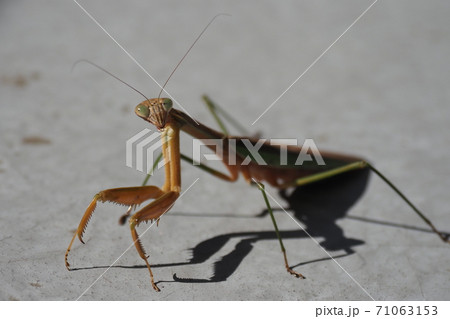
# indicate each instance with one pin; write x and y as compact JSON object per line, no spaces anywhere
{"x":167,"y":104}
{"x":142,"y":111}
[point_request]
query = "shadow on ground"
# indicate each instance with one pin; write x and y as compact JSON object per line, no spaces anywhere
{"x":316,"y":207}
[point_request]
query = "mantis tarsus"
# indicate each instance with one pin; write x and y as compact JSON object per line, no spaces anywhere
{"x":170,"y":121}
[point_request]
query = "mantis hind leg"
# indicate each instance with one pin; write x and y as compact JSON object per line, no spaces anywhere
{"x":361,"y":165}
{"x":283,"y":250}
{"x":444,"y":237}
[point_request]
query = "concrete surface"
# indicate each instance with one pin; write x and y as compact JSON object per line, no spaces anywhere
{"x":381,"y":92}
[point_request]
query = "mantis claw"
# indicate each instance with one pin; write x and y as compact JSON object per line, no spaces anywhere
{"x":445,"y":238}
{"x":294,"y":273}
{"x":155,"y":287}
{"x":124,"y":217}
{"x":67,"y":264}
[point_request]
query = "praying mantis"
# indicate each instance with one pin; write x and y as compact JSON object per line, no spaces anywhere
{"x":170,"y":122}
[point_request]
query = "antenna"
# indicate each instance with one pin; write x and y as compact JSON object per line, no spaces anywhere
{"x":107,"y":72}
{"x":187,"y":52}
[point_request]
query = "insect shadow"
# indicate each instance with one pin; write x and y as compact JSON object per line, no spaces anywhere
{"x":317,"y":206}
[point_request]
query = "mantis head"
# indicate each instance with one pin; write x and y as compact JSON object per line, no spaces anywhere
{"x":155,"y":111}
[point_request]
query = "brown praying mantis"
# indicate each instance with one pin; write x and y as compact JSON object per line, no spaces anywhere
{"x":280,"y":174}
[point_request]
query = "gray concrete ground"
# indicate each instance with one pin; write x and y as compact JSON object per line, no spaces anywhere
{"x":381,"y":92}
